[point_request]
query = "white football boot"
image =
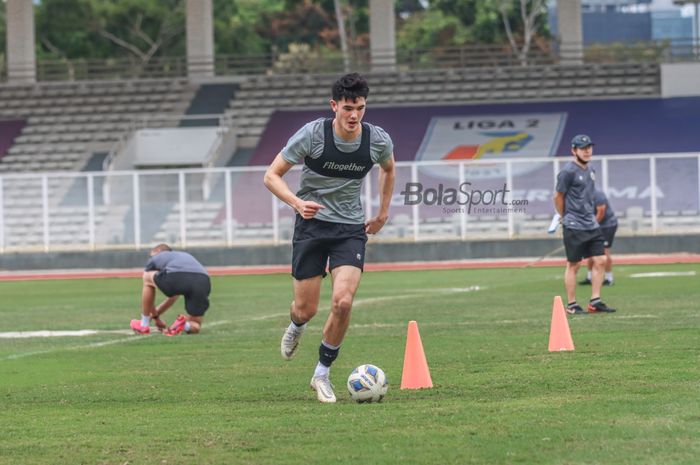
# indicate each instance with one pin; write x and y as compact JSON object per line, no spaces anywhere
{"x":290,"y":341}
{"x":324,"y":389}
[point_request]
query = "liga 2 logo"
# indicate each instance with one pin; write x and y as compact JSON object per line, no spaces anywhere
{"x":497,"y":137}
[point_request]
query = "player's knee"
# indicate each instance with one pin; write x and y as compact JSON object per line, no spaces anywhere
{"x":342,"y":303}
{"x":304,"y":310}
{"x":148,"y":278}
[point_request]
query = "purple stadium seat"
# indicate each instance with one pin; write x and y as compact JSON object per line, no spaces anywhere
{"x":9,"y":130}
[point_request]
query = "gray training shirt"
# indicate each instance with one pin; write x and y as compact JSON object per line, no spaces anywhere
{"x":175,"y":262}
{"x":609,"y":219}
{"x":578,"y":186}
{"x":340,"y":196}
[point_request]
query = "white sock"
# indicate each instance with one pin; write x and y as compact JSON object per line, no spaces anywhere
{"x":322,"y":371}
{"x":294,"y":327}
{"x":187,"y":327}
{"x":145,"y":320}
{"x":609,"y":276}
{"x":589,"y":275}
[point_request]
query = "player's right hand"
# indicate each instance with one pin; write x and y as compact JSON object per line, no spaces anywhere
{"x":160,"y":324}
{"x":308,"y":208}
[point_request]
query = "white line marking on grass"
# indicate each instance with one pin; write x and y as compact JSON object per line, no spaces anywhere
{"x":662,"y":274}
{"x":94,"y":345}
{"x":413,"y":295}
{"x":47,"y":333}
{"x":75,"y":333}
{"x":632,"y":317}
{"x":266,"y":317}
{"x":91,"y":332}
{"x":86,"y":346}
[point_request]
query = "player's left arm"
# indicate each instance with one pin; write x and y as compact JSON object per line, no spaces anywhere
{"x":600,"y":212}
{"x":387,"y":175}
{"x":165,"y":305}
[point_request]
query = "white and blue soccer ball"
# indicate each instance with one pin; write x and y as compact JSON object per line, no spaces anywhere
{"x":367,"y":383}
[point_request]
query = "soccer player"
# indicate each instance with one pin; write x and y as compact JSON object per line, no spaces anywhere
{"x":573,"y":200}
{"x":330,"y":225}
{"x":175,"y":273}
{"x":605,"y":216}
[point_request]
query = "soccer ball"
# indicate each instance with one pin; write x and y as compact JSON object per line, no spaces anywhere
{"x":367,"y":383}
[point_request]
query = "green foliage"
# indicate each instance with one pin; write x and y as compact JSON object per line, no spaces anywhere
{"x":66,"y":29}
{"x":144,"y":28}
{"x":408,"y":7}
{"x":306,"y":22}
{"x":236,"y":23}
{"x":618,"y":52}
{"x":479,"y":21}
{"x":98,"y":29}
{"x":431,"y":28}
{"x":302,"y":58}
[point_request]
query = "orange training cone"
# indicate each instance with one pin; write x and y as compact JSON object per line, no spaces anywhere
{"x":559,"y":334}
{"x":416,"y":374}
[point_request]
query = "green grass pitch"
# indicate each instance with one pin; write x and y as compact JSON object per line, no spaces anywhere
{"x":627,"y":395}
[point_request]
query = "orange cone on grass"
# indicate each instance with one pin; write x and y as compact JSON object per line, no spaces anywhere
{"x":416,"y":374}
{"x":559,"y":333}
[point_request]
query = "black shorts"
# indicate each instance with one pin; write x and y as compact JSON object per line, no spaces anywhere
{"x":609,"y":235}
{"x":317,"y":243}
{"x":580,"y":244}
{"x":195,"y":287}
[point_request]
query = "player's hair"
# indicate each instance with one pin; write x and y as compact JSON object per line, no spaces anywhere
{"x":160,"y":248}
{"x":350,"y":87}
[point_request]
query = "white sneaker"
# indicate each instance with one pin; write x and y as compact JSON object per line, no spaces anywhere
{"x":324,"y":389}
{"x":290,"y":342}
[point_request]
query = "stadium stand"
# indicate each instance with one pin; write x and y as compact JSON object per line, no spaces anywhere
{"x":260,"y":96}
{"x":9,"y":130}
{"x":66,"y":122}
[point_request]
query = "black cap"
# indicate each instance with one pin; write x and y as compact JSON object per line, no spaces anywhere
{"x":580,"y":141}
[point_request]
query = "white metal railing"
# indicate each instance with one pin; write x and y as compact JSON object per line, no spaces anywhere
{"x":230,"y":206}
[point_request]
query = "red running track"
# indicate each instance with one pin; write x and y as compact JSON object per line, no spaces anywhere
{"x":402,"y":266}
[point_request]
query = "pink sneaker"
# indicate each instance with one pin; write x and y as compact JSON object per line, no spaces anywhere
{"x":177,"y":327}
{"x":138,"y":329}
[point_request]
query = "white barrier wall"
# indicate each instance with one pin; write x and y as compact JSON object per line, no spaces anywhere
{"x":176,"y":147}
{"x":680,"y":79}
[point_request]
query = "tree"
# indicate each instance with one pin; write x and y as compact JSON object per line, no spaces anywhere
{"x":142,"y":27}
{"x":64,"y":30}
{"x":405,"y":8}
{"x":452,"y":22}
{"x":306,"y":23}
{"x":530,"y":12}
{"x":315,"y":22}
{"x":429,"y":29}
{"x":458,"y":22}
{"x":236,"y":24}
